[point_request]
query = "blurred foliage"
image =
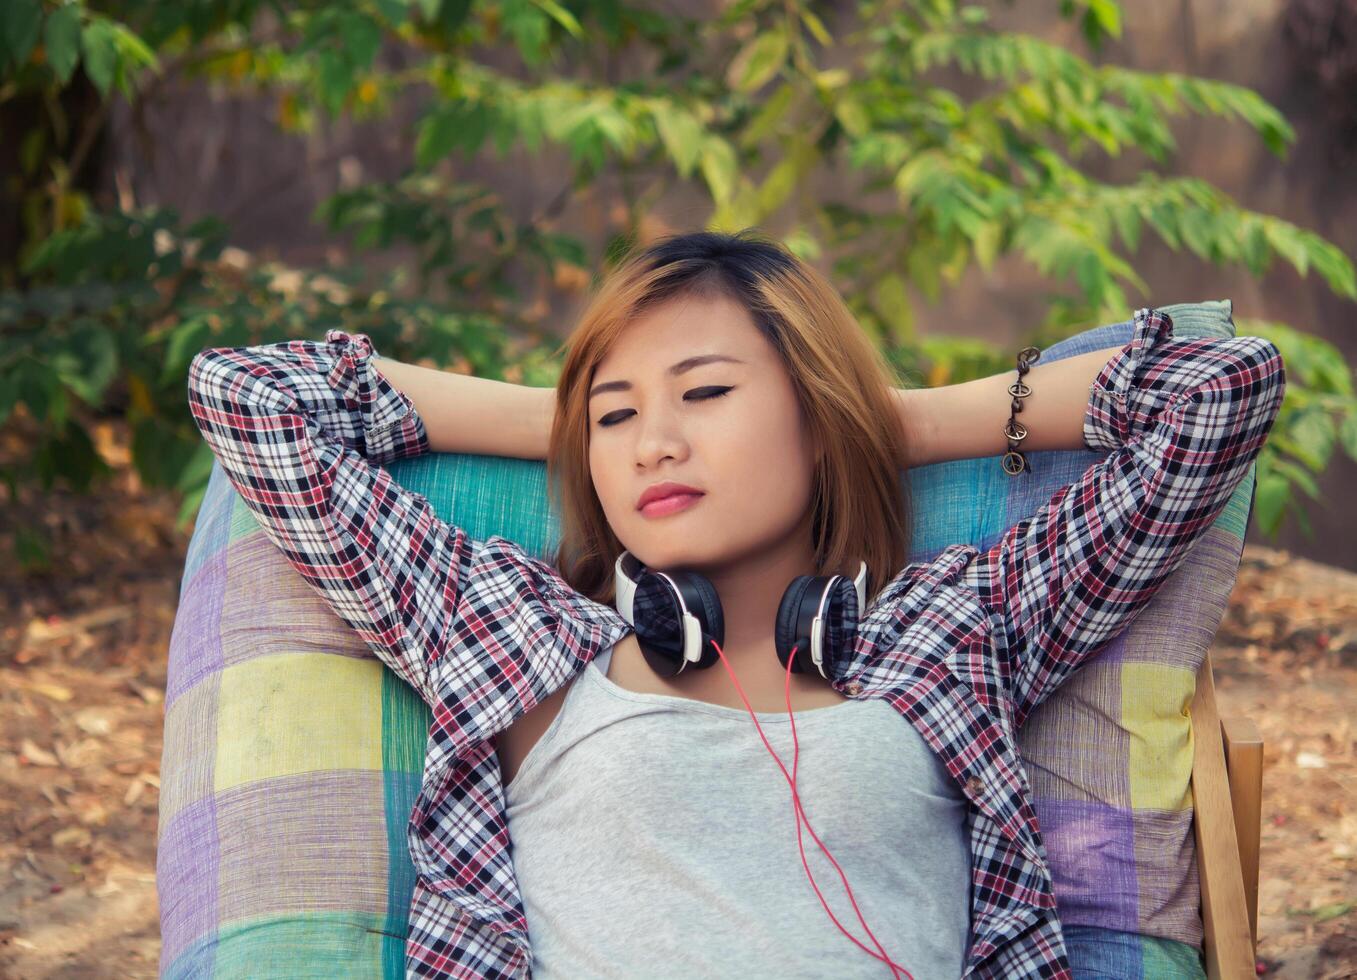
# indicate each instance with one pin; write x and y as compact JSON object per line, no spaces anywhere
{"x":977,"y":135}
{"x":1318,"y":419}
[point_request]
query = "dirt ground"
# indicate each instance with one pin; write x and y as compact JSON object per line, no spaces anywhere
{"x":82,"y":680}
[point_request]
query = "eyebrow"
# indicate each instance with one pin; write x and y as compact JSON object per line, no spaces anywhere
{"x":675,"y":371}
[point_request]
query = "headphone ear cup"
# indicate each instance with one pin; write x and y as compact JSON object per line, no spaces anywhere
{"x":705,"y":604}
{"x":841,"y":625}
{"x":785,"y":630}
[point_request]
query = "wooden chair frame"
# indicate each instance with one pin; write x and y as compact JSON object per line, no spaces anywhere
{"x":1227,"y":798}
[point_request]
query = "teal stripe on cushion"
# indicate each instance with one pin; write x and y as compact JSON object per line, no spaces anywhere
{"x":319,"y":945}
{"x":1209,"y":318}
{"x":950,"y":504}
{"x":487,"y":496}
{"x":243,"y":521}
{"x":212,"y":527}
{"x":1166,"y":958}
{"x":405,"y":724}
{"x":405,"y":719}
{"x":1109,"y":954}
{"x":1234,"y":518}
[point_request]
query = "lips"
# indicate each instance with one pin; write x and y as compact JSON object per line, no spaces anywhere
{"x":670,"y":505}
{"x":660,"y":491}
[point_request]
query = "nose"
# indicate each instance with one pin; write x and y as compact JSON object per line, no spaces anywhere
{"x":659,"y":437}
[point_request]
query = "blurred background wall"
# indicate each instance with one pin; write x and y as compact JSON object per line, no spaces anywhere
{"x":227,"y":156}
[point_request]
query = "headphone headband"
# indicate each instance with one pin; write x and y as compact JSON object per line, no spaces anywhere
{"x":628,"y":572}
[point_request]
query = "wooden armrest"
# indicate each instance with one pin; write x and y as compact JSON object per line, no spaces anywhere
{"x":1228,"y":938}
{"x":1244,"y":765}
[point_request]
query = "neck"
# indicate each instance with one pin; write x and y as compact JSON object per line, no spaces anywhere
{"x":751,"y":589}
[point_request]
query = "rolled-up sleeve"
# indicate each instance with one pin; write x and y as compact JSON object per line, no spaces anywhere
{"x":1182,"y":421}
{"x":300,"y":429}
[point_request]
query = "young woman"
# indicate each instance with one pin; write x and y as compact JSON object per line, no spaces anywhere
{"x":590,"y":809}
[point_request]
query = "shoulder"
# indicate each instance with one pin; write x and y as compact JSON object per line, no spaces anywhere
{"x":504,"y":569}
{"x":917,"y":582}
{"x":928,"y":605}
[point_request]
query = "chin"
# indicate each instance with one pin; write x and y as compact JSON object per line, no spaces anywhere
{"x":660,"y":556}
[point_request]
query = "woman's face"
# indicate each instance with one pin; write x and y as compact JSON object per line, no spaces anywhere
{"x":747,"y":450}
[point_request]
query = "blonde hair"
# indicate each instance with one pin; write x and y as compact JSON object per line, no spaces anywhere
{"x":842,"y":381}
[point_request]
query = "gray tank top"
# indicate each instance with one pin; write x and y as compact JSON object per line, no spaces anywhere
{"x":653,"y":836}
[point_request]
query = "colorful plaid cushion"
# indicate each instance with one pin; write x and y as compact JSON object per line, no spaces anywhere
{"x":1110,"y":756}
{"x":292,"y":757}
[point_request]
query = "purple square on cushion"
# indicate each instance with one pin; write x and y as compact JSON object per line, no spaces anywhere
{"x":195,"y":641}
{"x":327,"y":827}
{"x":270,"y":609}
{"x":1074,"y":745}
{"x":1095,"y":845}
{"x":1169,"y":902}
{"x":1178,"y":628}
{"x":187,"y":859}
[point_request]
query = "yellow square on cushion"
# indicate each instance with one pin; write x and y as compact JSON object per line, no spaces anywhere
{"x":294,"y":713}
{"x":1160,"y":761}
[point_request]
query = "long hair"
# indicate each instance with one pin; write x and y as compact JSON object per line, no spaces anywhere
{"x":842,"y":381}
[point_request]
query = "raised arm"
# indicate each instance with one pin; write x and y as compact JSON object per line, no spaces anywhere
{"x":1183,"y":420}
{"x":966,"y":420}
{"x":477,"y":416}
{"x":300,"y":428}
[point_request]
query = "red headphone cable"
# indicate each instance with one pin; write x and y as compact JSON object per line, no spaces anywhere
{"x":800,"y":814}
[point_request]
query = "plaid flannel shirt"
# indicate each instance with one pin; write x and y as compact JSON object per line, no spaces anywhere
{"x":964,"y":646}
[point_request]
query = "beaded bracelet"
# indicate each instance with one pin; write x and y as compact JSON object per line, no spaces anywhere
{"x":1015,"y":462}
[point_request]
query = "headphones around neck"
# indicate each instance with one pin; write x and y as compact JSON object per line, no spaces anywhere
{"x":679,"y":626}
{"x":677,"y":616}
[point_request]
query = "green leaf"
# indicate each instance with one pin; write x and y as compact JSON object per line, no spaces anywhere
{"x":61,"y":38}
{"x":852,"y":115}
{"x":1347,"y":435}
{"x":198,"y":469}
{"x":395,"y":12}
{"x":20,"y":24}
{"x":986,"y":243}
{"x":770,"y":115}
{"x":33,"y":150}
{"x":186,"y":340}
{"x":189,"y":506}
{"x":87,"y":360}
{"x":437,"y":136}
{"x":719,"y":168}
{"x":757,"y":62}
{"x":562,"y":16}
{"x":132,"y":50}
{"x":450,"y":15}
{"x":891,"y":300}
{"x":1298,"y":476}
{"x":816,"y":27}
{"x":98,"y":44}
{"x":1270,"y":500}
{"x":1108,"y":15}
{"x":922,"y":265}
{"x":785,"y":176}
{"x":72,"y":456}
{"x":362,"y":39}
{"x":1313,"y":436}
{"x":1286,"y":242}
{"x":335,"y":78}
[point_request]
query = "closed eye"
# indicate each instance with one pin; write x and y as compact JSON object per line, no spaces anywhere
{"x":699,"y":394}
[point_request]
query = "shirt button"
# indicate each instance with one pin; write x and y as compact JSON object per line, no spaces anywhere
{"x":974,"y":785}
{"x":854,"y":688}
